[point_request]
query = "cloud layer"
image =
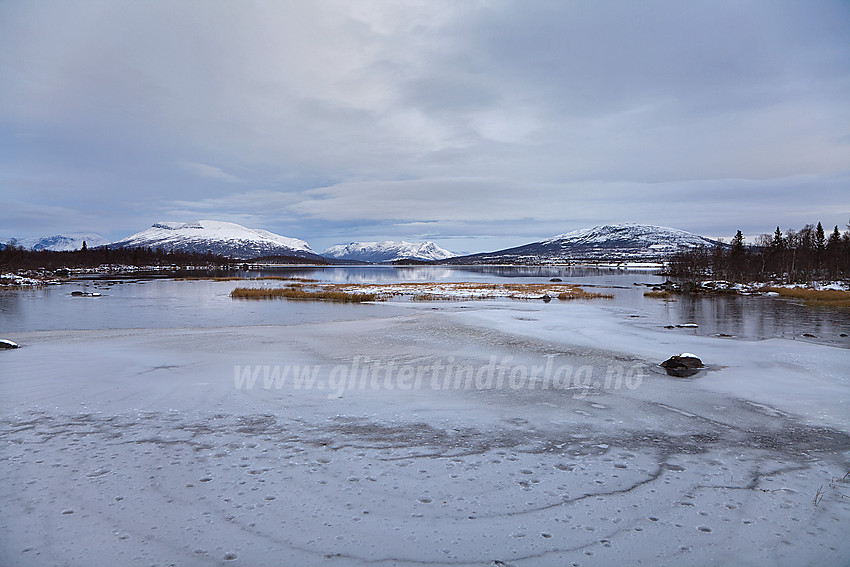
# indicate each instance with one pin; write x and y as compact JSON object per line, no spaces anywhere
{"x":478,"y":124}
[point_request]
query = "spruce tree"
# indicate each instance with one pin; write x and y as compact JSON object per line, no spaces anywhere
{"x":820,"y":238}
{"x":834,"y":238}
{"x":738,"y":242}
{"x":778,"y":240}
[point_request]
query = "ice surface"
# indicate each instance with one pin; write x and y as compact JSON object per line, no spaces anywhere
{"x":135,"y":447}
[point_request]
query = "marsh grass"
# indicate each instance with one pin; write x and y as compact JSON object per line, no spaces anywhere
{"x":418,"y":291}
{"x":575,"y":292}
{"x":287,"y":279}
{"x":833,"y":298}
{"x":209,"y":278}
{"x":461,"y":291}
{"x":661,"y":294}
{"x":432,"y":297}
{"x":302,"y":294}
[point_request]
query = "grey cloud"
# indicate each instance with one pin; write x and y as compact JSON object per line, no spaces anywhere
{"x":209,"y":171}
{"x":482,"y":118}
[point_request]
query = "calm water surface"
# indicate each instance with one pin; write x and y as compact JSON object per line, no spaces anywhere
{"x":168,"y":303}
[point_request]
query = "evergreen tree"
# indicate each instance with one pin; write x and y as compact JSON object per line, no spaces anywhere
{"x":738,"y":242}
{"x":778,"y":240}
{"x":737,"y":257}
{"x":834,"y":238}
{"x":833,"y":254}
{"x":795,"y":257}
{"x":820,"y":238}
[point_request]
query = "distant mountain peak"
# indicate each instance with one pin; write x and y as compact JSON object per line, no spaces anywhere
{"x":61,"y":242}
{"x":612,"y":242}
{"x":218,"y":237}
{"x":387,"y":251}
{"x":633,"y":232}
{"x":182,"y":225}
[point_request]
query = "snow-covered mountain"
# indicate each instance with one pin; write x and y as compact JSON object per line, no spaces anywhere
{"x":387,"y":251}
{"x":224,"y":238}
{"x":618,"y":242}
{"x":61,"y":242}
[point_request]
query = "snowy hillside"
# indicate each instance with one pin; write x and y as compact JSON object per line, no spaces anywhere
{"x":387,"y":251}
{"x":224,"y":238}
{"x":637,"y":242}
{"x":61,"y":242}
{"x":629,"y":236}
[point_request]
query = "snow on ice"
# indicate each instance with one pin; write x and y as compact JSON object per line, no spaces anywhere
{"x":136,"y":447}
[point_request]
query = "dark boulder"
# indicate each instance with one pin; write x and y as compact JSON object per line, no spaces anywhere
{"x":682,"y":365}
{"x":4,"y":343}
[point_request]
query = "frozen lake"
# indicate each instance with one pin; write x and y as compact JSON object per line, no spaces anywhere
{"x":166,"y":303}
{"x":164,"y":423}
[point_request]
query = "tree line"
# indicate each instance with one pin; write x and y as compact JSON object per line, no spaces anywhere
{"x":14,"y":257}
{"x":795,"y":256}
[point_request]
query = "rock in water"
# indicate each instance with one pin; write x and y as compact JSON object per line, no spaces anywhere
{"x":8,"y":344}
{"x":682,"y":365}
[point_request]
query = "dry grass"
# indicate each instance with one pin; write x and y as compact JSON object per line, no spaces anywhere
{"x":416,"y":291}
{"x":297,"y":293}
{"x":288,"y":279}
{"x":818,"y":298}
{"x":208,"y":278}
{"x":576,"y":292}
{"x":458,"y":291}
{"x":432,"y":297}
{"x":662,"y":294}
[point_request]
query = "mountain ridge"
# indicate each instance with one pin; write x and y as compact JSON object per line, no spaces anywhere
{"x":387,"y":251}
{"x":614,"y":242}
{"x":217,"y":237}
{"x":60,"y":242}
{"x":603,"y":243}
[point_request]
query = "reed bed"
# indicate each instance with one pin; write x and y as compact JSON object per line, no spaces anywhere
{"x":302,"y":294}
{"x":209,"y":278}
{"x":575,"y":292}
{"x":287,"y":278}
{"x":457,"y":291}
{"x":417,"y":291}
{"x":662,"y":294}
{"x":834,"y":298}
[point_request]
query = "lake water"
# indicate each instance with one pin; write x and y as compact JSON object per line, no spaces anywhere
{"x":189,"y":428}
{"x":170,"y":303}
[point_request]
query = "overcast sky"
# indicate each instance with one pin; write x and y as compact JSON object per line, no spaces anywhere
{"x":476,"y":124}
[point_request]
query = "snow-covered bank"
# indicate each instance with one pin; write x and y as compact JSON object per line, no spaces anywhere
{"x":29,"y":278}
{"x":18,"y":280}
{"x":135,"y":447}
